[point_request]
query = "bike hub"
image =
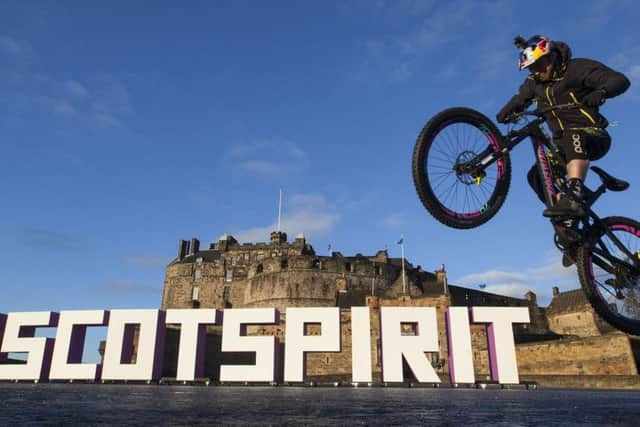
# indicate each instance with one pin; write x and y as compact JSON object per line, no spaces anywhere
{"x":466,"y":172}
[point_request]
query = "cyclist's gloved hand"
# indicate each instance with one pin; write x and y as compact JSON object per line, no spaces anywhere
{"x":505,"y":115}
{"x":595,"y":98}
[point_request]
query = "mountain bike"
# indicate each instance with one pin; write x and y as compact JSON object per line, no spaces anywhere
{"x":462,"y":172}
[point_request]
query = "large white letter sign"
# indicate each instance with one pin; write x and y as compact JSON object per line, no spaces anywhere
{"x":3,"y":321}
{"x":118,"y":350}
{"x":297,"y":343}
{"x":502,"y":351}
{"x":412,"y":347}
{"x":360,"y":344}
{"x":234,"y":339}
{"x":193,"y":328}
{"x":460,"y":353}
{"x":67,"y":353}
{"x":19,"y":338}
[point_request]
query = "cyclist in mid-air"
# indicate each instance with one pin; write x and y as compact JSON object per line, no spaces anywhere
{"x":578,"y":133}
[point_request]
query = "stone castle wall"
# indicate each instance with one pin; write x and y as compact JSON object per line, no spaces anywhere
{"x":609,"y":354}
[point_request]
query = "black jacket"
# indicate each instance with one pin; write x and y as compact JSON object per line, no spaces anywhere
{"x":572,"y":80}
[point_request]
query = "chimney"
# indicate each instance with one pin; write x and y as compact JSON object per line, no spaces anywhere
{"x":195,"y":246}
{"x":530,"y":296}
{"x":556,"y":291}
{"x":183,"y":249}
{"x":441,"y":277}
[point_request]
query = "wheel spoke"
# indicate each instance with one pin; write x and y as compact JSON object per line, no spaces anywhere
{"x":612,"y":272}
{"x":459,"y":143}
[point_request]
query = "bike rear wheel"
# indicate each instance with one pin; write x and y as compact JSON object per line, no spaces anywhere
{"x":610,"y":277}
{"x":453,"y":196}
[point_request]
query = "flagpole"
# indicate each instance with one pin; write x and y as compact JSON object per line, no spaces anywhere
{"x":404,"y":282}
{"x":279,"y":209}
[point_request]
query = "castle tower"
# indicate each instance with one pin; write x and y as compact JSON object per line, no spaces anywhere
{"x":278,"y":237}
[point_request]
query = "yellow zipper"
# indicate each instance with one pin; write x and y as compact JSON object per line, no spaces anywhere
{"x":587,"y":115}
{"x":552,"y":111}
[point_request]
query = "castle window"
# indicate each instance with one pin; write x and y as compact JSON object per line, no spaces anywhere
{"x":195,"y":304}
{"x":377,"y":270}
{"x":259,"y":257}
{"x":234,"y":261}
{"x":195,"y":293}
{"x":225,"y":293}
{"x":259,"y":269}
{"x":284,"y":264}
{"x":228,"y":275}
{"x":316,"y":264}
{"x":348,"y":267}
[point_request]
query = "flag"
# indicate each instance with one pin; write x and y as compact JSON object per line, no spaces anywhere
{"x":401,"y":240}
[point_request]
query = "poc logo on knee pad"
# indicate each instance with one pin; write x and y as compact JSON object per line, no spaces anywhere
{"x":577,"y":143}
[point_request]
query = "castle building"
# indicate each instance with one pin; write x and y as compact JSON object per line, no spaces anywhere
{"x":281,"y":274}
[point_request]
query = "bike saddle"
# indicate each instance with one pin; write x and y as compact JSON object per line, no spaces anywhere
{"x":612,"y":183}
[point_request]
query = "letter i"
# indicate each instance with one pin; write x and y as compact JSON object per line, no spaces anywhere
{"x":460,"y":353}
{"x":360,"y":344}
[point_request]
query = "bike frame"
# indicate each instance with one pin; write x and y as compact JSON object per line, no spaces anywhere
{"x":540,"y":141}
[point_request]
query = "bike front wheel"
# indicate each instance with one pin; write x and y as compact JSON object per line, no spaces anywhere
{"x":609,"y":272}
{"x":453,"y":194}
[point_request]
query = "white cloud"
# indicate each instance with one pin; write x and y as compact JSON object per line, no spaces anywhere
{"x":125,"y":287}
{"x":267,"y":157}
{"x":147,"y":261}
{"x":309,"y":214}
{"x":63,"y":107}
{"x":626,"y":61}
{"x":539,"y":279}
{"x":260,"y":166}
{"x":13,"y":47}
{"x":47,"y":239}
{"x":510,"y":290}
{"x":401,"y":53}
{"x":102,"y":101}
{"x":395,"y":220}
{"x":75,"y":89}
{"x":105,"y":120}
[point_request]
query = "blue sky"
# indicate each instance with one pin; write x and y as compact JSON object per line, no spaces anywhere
{"x":126,"y":126}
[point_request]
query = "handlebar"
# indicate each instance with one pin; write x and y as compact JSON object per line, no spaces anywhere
{"x":540,"y":112}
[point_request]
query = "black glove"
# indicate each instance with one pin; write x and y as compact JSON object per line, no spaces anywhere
{"x":595,"y":98}
{"x":505,"y":114}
